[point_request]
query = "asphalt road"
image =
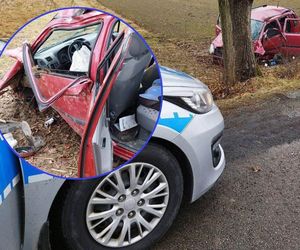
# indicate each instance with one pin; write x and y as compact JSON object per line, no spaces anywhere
{"x":256,"y":203}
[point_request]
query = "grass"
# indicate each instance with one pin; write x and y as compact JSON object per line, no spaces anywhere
{"x":178,"y":19}
{"x":25,"y":35}
{"x":15,"y":13}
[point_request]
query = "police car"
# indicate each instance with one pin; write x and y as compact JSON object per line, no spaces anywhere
{"x":134,"y":205}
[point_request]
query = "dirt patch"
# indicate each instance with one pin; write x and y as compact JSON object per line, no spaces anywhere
{"x":59,"y":155}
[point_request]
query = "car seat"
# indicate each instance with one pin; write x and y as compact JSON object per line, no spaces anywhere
{"x":148,"y":110}
{"x":125,"y":91}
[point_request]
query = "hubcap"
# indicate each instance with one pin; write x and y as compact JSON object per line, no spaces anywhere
{"x":127,"y":205}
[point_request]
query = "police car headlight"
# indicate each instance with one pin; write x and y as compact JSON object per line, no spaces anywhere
{"x":211,"y":49}
{"x":200,"y":101}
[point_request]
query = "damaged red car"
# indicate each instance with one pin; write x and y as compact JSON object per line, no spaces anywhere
{"x":88,"y":66}
{"x":275,"y":32}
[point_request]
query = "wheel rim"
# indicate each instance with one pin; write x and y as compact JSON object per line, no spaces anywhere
{"x":127,"y":205}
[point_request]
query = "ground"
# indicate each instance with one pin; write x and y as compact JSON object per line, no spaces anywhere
{"x":256,"y":202}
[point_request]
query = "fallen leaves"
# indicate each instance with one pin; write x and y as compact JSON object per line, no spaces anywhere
{"x":59,"y":155}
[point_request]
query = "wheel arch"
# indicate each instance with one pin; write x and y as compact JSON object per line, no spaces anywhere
{"x":55,"y":213}
{"x":184,"y":164}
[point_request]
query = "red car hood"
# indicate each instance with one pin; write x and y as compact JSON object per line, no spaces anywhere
{"x":15,"y":53}
{"x":69,"y":13}
{"x":258,"y":47}
{"x":17,"y":66}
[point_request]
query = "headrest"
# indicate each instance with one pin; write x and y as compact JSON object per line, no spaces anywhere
{"x":137,"y":46}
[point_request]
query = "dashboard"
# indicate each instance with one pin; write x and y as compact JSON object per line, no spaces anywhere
{"x":57,"y":57}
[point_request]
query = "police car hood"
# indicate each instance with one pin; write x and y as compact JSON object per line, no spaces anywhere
{"x":177,"y":82}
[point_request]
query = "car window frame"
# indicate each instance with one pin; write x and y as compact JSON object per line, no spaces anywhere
{"x":269,"y":22}
{"x":62,"y":72}
{"x":109,"y":42}
{"x":292,"y":19}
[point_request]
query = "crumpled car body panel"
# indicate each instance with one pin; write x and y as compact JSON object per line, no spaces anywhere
{"x":284,"y":43}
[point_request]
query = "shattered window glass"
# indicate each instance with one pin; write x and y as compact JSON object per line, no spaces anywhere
{"x":256,"y":27}
{"x":64,"y":35}
{"x":68,"y":50}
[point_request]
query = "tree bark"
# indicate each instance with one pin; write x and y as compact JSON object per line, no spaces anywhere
{"x":238,"y":54}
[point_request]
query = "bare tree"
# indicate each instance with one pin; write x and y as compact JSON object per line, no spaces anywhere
{"x":239,"y":59}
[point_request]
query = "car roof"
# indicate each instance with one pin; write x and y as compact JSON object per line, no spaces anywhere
{"x":77,"y":15}
{"x":266,"y":12}
{"x":76,"y":12}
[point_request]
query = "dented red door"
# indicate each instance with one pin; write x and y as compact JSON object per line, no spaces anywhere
{"x":70,"y":96}
{"x":273,"y":39}
{"x":74,"y":104}
{"x":13,"y":75}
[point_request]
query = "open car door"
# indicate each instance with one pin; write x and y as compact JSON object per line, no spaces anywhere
{"x":125,"y":58}
{"x":292,"y":34}
{"x":69,"y":95}
{"x":273,"y":39}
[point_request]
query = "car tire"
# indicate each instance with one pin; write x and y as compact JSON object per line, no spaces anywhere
{"x":74,"y":211}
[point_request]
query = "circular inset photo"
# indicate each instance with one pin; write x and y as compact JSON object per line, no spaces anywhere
{"x":80,"y":92}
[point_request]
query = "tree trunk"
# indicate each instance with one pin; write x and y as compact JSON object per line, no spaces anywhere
{"x":239,"y":59}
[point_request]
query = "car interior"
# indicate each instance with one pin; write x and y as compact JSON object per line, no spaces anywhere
{"x":134,"y":101}
{"x":272,"y":29}
{"x":59,"y":51}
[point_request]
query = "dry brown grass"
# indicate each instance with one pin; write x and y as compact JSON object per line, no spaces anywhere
{"x":17,"y":12}
{"x":178,"y":19}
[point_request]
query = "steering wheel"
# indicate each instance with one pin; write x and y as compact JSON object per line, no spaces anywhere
{"x":77,"y":45}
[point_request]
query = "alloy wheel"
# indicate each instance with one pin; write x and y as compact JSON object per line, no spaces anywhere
{"x":127,"y":205}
